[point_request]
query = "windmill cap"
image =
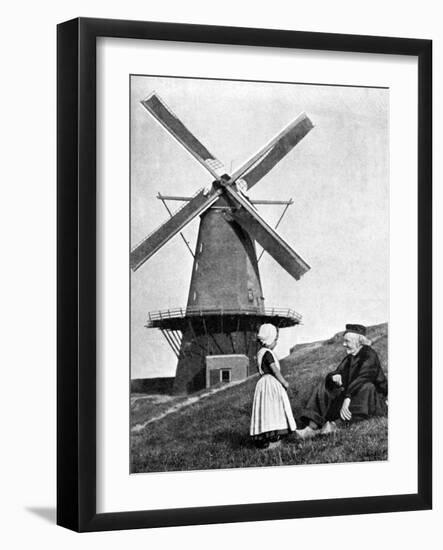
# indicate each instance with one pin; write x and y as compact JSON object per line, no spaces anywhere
{"x":358,"y":329}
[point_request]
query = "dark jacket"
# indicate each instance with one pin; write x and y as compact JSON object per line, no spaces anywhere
{"x":357,"y":370}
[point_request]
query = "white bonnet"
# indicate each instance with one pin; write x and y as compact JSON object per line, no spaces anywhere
{"x":267,"y":334}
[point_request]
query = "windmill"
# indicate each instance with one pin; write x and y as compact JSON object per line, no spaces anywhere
{"x":225,"y":303}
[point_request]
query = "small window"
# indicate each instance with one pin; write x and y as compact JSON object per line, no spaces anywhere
{"x":225,"y":375}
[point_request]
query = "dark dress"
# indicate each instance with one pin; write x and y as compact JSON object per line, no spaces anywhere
{"x":364,"y":382}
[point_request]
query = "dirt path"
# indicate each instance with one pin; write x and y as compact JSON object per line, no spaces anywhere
{"x":186,"y":403}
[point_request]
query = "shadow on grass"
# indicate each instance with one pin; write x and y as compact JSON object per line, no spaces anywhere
{"x":235,"y":440}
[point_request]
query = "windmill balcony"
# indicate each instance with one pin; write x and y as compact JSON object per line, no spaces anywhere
{"x":177,"y":319}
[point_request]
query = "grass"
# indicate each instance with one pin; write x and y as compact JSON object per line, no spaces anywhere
{"x":213,"y":432}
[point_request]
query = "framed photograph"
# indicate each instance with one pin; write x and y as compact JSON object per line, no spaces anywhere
{"x":244,"y":269}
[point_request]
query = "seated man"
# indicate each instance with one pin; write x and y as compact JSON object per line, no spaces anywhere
{"x":356,"y":390}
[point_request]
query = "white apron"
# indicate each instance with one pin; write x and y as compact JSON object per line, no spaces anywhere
{"x":271,"y":410}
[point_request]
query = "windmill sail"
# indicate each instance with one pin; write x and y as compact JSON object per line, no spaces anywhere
{"x":278,"y":147}
{"x":163,"y":114}
{"x":249,"y":174}
{"x":248,"y":217}
{"x":153,"y":242}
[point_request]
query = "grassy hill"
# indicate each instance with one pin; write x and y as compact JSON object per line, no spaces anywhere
{"x":211,"y":431}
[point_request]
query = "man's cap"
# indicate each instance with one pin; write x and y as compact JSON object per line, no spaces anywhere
{"x":358,"y":329}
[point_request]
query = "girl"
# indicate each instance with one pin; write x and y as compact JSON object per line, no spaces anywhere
{"x":271,"y":411}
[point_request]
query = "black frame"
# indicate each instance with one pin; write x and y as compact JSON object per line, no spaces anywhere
{"x":76,"y":265}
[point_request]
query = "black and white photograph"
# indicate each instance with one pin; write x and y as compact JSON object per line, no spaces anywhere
{"x":221,"y":307}
{"x":259,"y":273}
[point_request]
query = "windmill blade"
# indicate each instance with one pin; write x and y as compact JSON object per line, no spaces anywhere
{"x":270,"y":154}
{"x":249,"y":219}
{"x":163,"y":114}
{"x":153,"y":242}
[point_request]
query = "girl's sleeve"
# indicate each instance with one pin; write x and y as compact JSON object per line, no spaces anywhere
{"x":266,"y":363}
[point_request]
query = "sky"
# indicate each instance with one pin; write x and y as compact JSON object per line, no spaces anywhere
{"x":337,"y":176}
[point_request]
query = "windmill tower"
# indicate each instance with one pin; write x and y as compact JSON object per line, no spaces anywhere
{"x":225,"y":302}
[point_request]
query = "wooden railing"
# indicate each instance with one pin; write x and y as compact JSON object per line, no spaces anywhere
{"x":199,"y":312}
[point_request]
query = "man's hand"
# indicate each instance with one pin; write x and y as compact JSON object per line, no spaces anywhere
{"x":345,"y":413}
{"x":337,"y":380}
